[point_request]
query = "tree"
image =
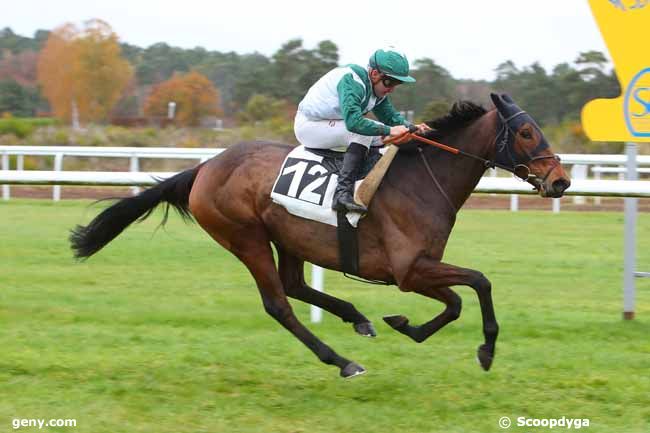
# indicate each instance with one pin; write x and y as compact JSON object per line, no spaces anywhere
{"x":13,"y":43}
{"x":262,"y":107}
{"x":289,"y":64}
{"x":83,"y":69}
{"x":434,"y":110}
{"x":317,"y":63}
{"x":506,"y":70}
{"x":18,"y":100}
{"x":193,"y":94}
{"x":101,"y":72}
{"x":56,"y":71}
{"x":20,"y":67}
{"x":593,"y":64}
{"x":255,"y":77}
{"x":433,"y":82}
{"x":295,"y":69}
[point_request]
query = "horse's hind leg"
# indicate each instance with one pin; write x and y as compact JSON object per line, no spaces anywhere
{"x":255,"y":252}
{"x":420,"y":333}
{"x":426,"y":272}
{"x":292,"y":275}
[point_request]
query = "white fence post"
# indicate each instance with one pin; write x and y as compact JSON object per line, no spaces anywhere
{"x":556,"y":205}
{"x":597,"y":176}
{"x":579,"y":171}
{"x":58,"y":166}
{"x":134,"y":167}
{"x":317,"y":283}
{"x":629,"y":286}
{"x":514,"y":203}
{"x":493,"y":173}
{"x":6,"y":194}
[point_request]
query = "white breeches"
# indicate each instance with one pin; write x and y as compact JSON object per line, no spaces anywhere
{"x":329,"y":134}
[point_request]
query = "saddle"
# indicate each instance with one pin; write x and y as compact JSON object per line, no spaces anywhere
{"x":305,"y":187}
{"x":333,"y":160}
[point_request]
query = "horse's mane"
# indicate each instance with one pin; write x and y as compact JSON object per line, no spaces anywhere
{"x":461,"y":114}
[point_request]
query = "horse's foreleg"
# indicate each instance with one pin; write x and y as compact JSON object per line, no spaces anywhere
{"x":426,"y":272}
{"x":292,"y":275}
{"x":258,"y":257}
{"x":420,"y":333}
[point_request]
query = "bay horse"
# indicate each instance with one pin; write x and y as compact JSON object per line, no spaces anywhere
{"x":401,"y":239}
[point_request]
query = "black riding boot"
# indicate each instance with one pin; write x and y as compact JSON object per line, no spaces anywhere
{"x":344,"y":193}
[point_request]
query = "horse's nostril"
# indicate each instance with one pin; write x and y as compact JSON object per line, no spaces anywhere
{"x":560,"y":185}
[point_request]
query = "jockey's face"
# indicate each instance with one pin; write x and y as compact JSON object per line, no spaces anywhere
{"x":382,"y":84}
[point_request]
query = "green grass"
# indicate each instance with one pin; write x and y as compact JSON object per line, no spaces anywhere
{"x":165,"y":332}
{"x":21,"y":127}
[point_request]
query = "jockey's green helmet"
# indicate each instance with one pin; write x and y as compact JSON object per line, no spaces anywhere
{"x":391,"y":63}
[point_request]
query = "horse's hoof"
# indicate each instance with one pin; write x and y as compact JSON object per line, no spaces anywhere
{"x":366,"y":329}
{"x":351,"y":370}
{"x":397,"y":321}
{"x":485,"y":356}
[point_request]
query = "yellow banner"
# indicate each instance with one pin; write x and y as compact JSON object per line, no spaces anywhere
{"x":625,"y":26}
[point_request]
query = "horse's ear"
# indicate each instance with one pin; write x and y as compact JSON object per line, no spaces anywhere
{"x":507,"y":98}
{"x":498,"y":102}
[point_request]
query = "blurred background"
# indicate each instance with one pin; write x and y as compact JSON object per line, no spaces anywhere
{"x":93,"y":76}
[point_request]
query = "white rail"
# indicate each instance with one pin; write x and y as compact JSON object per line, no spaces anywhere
{"x":498,"y":185}
{"x":136,"y":153}
{"x":133,"y":153}
{"x":113,"y":152}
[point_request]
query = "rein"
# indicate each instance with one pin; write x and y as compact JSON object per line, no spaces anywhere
{"x":433,"y":177}
{"x":502,"y":145}
{"x":518,"y":168}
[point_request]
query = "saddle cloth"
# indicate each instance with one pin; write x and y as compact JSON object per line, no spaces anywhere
{"x":307,"y":180}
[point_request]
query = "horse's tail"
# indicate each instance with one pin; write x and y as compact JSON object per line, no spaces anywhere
{"x":175,"y":191}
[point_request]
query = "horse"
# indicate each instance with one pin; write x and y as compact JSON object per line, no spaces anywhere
{"x":401,"y":239}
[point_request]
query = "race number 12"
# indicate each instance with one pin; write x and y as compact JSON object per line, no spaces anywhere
{"x":304,"y":187}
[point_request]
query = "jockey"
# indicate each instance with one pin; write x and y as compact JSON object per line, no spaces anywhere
{"x":331,"y":115}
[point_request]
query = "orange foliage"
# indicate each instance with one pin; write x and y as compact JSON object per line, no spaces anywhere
{"x":83,"y":68}
{"x":194,"y":94}
{"x":56,"y":70}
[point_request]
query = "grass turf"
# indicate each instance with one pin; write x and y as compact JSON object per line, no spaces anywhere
{"x":165,"y":332}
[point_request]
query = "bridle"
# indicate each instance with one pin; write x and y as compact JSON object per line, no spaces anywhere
{"x":504,"y":157}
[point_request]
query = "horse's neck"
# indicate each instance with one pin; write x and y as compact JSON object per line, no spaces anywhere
{"x":458,"y":175}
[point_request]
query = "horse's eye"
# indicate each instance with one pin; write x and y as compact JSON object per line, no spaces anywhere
{"x":526,"y":134}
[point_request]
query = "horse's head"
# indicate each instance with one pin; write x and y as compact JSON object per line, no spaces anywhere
{"x":522,"y":148}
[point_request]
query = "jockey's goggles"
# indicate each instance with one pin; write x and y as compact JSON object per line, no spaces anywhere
{"x":389,"y":81}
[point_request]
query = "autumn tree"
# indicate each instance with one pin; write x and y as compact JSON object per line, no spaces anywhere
{"x":56,"y":71}
{"x":101,"y":71}
{"x":194,"y":95}
{"x":83,"y":69}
